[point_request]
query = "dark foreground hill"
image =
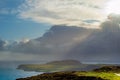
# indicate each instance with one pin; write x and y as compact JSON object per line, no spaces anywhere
{"x":61,"y":76}
{"x":115,"y":69}
{"x":103,"y":73}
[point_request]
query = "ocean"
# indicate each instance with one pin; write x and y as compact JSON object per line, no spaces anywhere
{"x":8,"y":71}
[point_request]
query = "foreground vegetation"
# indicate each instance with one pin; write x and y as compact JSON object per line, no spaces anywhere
{"x":72,"y":70}
{"x":113,"y":69}
{"x":76,"y":75}
{"x":103,"y":75}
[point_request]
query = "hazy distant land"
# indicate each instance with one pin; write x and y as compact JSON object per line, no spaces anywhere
{"x":55,"y":66}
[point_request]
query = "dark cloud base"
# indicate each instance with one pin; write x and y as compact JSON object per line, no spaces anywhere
{"x":70,"y":42}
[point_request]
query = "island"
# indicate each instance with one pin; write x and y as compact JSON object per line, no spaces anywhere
{"x":56,"y":66}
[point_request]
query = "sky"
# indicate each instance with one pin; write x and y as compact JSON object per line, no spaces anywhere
{"x":31,"y":18}
{"x":14,"y":28}
{"x":51,"y":30}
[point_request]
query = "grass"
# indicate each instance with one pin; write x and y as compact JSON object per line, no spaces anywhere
{"x":103,"y":75}
{"x":74,"y":75}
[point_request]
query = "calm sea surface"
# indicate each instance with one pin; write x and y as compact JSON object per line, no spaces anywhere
{"x":8,"y":71}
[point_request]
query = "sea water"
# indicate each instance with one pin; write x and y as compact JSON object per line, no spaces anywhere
{"x":8,"y":72}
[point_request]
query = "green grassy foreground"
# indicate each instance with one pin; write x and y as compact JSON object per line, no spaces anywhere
{"x":72,"y":70}
{"x":103,"y":75}
{"x":76,"y":75}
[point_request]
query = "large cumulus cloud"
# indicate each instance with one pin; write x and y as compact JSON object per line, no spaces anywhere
{"x":57,"y":41}
{"x":102,"y":45}
{"x":69,"y":12}
{"x":72,"y":42}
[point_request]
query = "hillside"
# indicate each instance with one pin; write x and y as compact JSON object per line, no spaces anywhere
{"x":104,"y":72}
{"x":55,"y":66}
{"x":115,"y":69}
{"x":61,"y":76}
{"x":76,"y":75}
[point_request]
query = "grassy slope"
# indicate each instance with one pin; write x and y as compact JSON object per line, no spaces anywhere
{"x":103,"y":75}
{"x":74,"y":76}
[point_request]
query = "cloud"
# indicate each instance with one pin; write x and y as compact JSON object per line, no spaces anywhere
{"x":2,"y":45}
{"x":114,"y":18}
{"x":70,"y":42}
{"x":8,"y":7}
{"x":69,"y":12}
{"x":63,"y":42}
{"x":53,"y":45}
{"x":102,"y":45}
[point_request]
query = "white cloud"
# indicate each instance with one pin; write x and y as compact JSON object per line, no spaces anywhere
{"x":69,"y":12}
{"x":25,"y":40}
{"x":7,"y":11}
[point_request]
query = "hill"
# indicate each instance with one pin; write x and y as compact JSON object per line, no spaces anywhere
{"x":74,"y":75}
{"x":61,"y":76}
{"x":108,"y":72}
{"x":114,"y":69}
{"x":55,"y":66}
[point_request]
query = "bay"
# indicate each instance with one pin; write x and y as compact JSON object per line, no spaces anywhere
{"x":8,"y":71}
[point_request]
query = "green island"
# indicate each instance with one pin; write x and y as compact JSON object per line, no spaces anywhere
{"x":56,"y":66}
{"x":65,"y":70}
